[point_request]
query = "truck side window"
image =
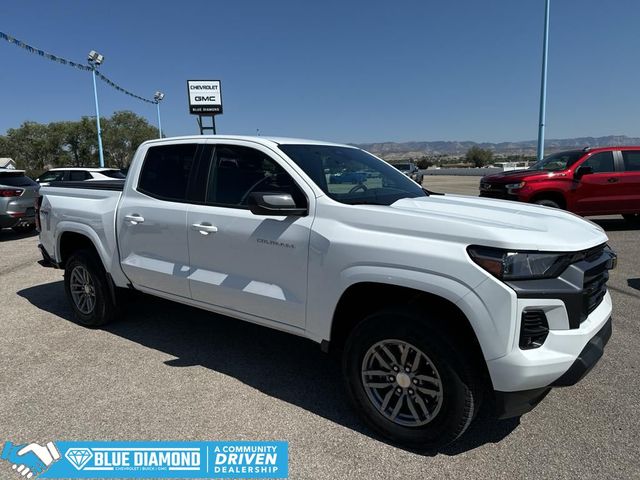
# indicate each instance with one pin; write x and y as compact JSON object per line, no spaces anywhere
{"x":239,"y":171}
{"x":600,"y":162}
{"x":165,"y":171}
{"x":631,"y":160}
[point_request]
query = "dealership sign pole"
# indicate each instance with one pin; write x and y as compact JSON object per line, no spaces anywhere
{"x":205,"y":100}
{"x":543,"y":83}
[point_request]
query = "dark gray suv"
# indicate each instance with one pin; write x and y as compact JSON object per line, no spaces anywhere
{"x":18,"y":196}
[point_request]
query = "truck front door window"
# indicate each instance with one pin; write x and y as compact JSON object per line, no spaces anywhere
{"x":239,"y":171}
{"x":600,"y":162}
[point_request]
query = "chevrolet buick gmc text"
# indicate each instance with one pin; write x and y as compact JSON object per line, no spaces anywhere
{"x":433,"y":301}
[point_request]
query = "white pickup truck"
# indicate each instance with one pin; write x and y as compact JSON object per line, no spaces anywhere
{"x":433,"y":301}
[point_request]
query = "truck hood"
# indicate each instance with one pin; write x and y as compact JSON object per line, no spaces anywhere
{"x":490,"y":222}
{"x":515,"y":176}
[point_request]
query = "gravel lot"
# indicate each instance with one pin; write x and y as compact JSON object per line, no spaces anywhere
{"x":171,"y":372}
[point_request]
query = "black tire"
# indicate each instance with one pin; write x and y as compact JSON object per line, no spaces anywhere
{"x":460,"y":388}
{"x":548,"y":203}
{"x":104,"y":308}
{"x":24,"y":228}
{"x":632,"y":218}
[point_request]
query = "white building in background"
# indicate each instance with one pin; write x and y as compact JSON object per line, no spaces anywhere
{"x":9,"y":163}
{"x":507,"y":166}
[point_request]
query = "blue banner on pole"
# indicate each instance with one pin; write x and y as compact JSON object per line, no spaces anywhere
{"x":100,"y":459}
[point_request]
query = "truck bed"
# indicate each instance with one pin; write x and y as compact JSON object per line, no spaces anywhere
{"x":87,"y":208}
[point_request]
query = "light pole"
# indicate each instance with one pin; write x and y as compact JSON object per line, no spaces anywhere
{"x":543,"y":85}
{"x":95,"y":60}
{"x":158,"y":96}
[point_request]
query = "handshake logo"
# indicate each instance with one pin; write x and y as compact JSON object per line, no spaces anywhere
{"x":30,"y":460}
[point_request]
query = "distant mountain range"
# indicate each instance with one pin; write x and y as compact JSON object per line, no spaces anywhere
{"x":395,"y":150}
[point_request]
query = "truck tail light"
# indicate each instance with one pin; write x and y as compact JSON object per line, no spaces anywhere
{"x":11,"y":192}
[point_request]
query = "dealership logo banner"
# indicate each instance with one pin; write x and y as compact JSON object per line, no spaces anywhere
{"x":146,"y":460}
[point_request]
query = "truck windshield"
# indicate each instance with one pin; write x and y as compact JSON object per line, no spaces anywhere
{"x":403,"y":167}
{"x":352,"y":176}
{"x":558,"y":161}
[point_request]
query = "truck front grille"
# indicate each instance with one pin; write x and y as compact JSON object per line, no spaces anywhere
{"x":495,"y":190}
{"x":595,"y":287}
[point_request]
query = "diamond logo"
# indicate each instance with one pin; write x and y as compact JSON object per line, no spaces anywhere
{"x":78,"y":457}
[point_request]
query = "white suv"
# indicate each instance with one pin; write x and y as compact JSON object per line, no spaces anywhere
{"x":78,"y":174}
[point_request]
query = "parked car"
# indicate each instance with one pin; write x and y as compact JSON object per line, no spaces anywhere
{"x":18,"y":194}
{"x":411,"y":170}
{"x":596,"y":181}
{"x":78,"y":174}
{"x":432,"y":301}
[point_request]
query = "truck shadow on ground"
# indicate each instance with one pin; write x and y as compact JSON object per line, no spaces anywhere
{"x":280,"y":365}
{"x":615,"y":224}
{"x":634,"y":283}
{"x":7,"y":235}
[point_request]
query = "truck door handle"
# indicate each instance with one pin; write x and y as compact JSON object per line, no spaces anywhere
{"x":612,"y":180}
{"x":204,"y":228}
{"x":134,"y":218}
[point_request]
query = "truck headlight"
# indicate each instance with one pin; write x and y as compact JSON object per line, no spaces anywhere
{"x":514,"y":186}
{"x":512,"y":265}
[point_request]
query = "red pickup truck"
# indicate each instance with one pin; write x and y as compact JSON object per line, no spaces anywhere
{"x":591,"y":181}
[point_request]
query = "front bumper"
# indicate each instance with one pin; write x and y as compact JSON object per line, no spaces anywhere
{"x":521,"y":370}
{"x":514,"y":404}
{"x":587,"y":359}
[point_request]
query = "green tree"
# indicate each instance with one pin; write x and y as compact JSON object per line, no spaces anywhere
{"x":80,"y":139}
{"x":30,"y":146}
{"x":36,"y":147}
{"x":424,"y":162}
{"x":479,"y":157}
{"x":122,"y":134}
{"x":5,"y":148}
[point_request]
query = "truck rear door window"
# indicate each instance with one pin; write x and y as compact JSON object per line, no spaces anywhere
{"x":631,"y":160}
{"x":166,"y":170}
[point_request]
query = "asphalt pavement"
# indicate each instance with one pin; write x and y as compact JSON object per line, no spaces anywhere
{"x":170,"y":372}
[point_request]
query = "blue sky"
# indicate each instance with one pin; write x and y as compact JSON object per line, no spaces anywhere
{"x":349,"y":71}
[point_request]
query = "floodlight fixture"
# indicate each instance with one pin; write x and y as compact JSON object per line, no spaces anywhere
{"x":95,"y":57}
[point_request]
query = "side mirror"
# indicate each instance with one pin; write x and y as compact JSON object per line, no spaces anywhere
{"x":581,"y":171}
{"x":274,"y":203}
